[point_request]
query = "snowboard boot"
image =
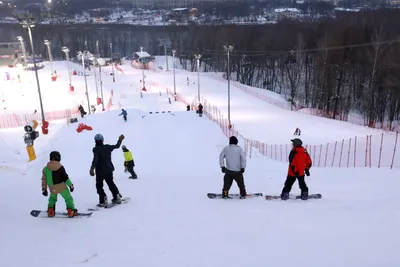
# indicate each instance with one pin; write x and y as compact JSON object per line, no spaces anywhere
{"x":51,"y":212}
{"x":103,"y":204}
{"x":72,"y":212}
{"x":225,"y":194}
{"x":285,"y":196}
{"x":243,"y":197}
{"x":117,"y":199}
{"x":304,"y":195}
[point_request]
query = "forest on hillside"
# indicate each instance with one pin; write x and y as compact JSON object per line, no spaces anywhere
{"x":337,"y":66}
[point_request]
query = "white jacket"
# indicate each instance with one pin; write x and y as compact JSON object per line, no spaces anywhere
{"x":235,"y":158}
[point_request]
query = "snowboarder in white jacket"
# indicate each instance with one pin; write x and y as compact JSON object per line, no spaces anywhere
{"x":235,"y":162}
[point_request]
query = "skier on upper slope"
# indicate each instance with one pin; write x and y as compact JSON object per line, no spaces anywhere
{"x":235,"y":166}
{"x":104,"y":169}
{"x":124,"y":114}
{"x":299,"y":164}
{"x":56,"y":178}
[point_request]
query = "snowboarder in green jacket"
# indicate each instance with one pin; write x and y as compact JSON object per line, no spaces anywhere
{"x":56,"y":178}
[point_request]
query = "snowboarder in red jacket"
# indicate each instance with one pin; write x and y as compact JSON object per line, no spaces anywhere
{"x":299,"y":166}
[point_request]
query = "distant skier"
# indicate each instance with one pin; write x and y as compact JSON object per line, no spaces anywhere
{"x":235,"y":166}
{"x":93,"y":109}
{"x":104,"y":169}
{"x":188,"y":108}
{"x":124,"y":114}
{"x":56,"y":178}
{"x":82,"y":111}
{"x":129,"y":162}
{"x":200,"y":110}
{"x":299,"y":165}
{"x":297,"y":132}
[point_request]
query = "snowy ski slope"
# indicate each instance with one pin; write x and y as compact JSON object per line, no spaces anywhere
{"x":169,"y":220}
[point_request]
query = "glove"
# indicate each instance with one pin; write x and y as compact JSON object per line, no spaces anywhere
{"x":44,"y":192}
{"x":126,"y":169}
{"x":223,"y":169}
{"x":242,"y":170}
{"x":71,"y":188}
{"x":121,"y":137}
{"x":307,"y":172}
{"x":91,"y":171}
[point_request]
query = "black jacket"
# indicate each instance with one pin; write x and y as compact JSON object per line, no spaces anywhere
{"x":102,"y":158}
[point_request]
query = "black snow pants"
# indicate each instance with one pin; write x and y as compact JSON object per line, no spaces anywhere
{"x":124,"y":117}
{"x":290,"y":180}
{"x":111,"y":185}
{"x":130,"y":165}
{"x":228,"y":180}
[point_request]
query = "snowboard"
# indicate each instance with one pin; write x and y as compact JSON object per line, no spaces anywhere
{"x":43,"y":214}
{"x":110,"y":205}
{"x":233,"y":196}
{"x":311,"y":196}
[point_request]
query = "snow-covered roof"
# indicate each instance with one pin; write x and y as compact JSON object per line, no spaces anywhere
{"x":142,"y":54}
{"x":287,"y":9}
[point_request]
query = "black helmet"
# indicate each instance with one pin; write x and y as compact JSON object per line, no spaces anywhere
{"x":55,"y":155}
{"x":233,"y":140}
{"x":297,"y":142}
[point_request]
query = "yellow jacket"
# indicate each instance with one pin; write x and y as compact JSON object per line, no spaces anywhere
{"x":128,"y":156}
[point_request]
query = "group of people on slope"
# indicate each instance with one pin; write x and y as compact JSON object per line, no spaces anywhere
{"x":55,"y":177}
{"x":232,"y":160}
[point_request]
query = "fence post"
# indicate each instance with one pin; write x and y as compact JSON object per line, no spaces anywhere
{"x":341,"y":152}
{"x":320,"y":152}
{"x":275,"y":151}
{"x":334,"y":154}
{"x":370,"y":149}
{"x":355,"y":150}
{"x":326,"y":153}
{"x":394,"y":150}
{"x":348,"y":155}
{"x":281,"y":152}
{"x":380,"y":152}
{"x":366,"y":152}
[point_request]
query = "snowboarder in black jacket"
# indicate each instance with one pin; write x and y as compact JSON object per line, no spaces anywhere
{"x":104,"y":169}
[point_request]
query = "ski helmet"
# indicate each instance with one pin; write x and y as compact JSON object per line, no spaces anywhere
{"x":123,"y":147}
{"x":55,"y":155}
{"x":297,"y":142}
{"x":98,"y":137}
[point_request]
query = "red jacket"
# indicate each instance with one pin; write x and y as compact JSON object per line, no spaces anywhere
{"x":299,"y":161}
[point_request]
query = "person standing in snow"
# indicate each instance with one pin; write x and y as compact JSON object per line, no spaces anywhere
{"x":235,"y":167}
{"x":56,"y":178}
{"x":129,"y":163}
{"x":124,"y":114}
{"x":299,"y":165}
{"x":104,"y":169}
{"x":200,"y":110}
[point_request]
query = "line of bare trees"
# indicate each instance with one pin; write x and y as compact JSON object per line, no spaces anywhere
{"x":338,"y":66}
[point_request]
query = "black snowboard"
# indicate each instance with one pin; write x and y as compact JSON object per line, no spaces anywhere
{"x":43,"y":214}
{"x":235,"y":196}
{"x":110,"y":205}
{"x":311,"y":196}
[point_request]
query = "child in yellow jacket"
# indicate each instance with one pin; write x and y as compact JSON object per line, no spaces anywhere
{"x":129,"y":163}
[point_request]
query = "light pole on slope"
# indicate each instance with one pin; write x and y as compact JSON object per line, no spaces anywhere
{"x":28,"y":25}
{"x":83,"y":54}
{"x":173,"y":65}
{"x":66,"y":51}
{"x":143,"y":82}
{"x":112,"y":63}
{"x":198,"y":57}
{"x":228,"y":50}
{"x":48,"y":43}
{"x":101,"y":81}
{"x":21,"y":39}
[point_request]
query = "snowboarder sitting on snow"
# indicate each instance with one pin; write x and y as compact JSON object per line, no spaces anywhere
{"x":124,"y":114}
{"x":55,"y":177}
{"x":297,"y":132}
{"x":129,"y":163}
{"x":200,"y":109}
{"x":299,"y":165}
{"x":82,"y":111}
{"x":235,"y":166}
{"x":104,"y":169}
